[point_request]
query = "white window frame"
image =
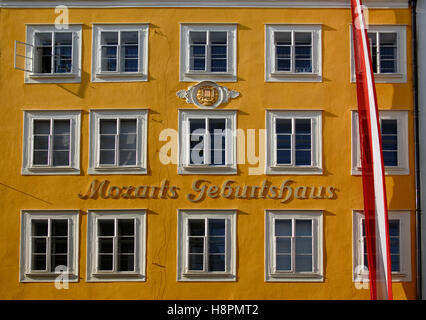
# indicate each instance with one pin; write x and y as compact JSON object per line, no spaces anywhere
{"x":27,"y":155}
{"x":401,"y":75}
{"x":273,"y":75}
{"x":183,"y":274}
{"x":94,"y":275}
{"x":230,"y":166}
{"x":316,"y":139}
{"x":25,"y":272}
{"x":361,"y":274}
{"x":403,"y":167}
{"x":271,"y":275}
{"x":117,"y":76}
{"x":186,"y":75}
{"x":141,"y":115}
{"x":72,"y":77}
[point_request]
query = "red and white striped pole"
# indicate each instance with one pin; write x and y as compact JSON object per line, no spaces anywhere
{"x":373,"y":179}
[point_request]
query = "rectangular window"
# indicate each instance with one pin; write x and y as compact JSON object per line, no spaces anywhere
{"x":52,"y":55}
{"x":116,"y":245}
{"x":118,"y":141}
{"x":400,"y":252}
{"x":208,"y":52}
{"x":293,"y":53}
{"x":294,"y":246}
{"x":207,"y":142}
{"x":294,"y":141}
{"x":206,"y":244}
{"x":394,"y":132}
{"x":120,"y":53}
{"x":49,"y":245}
{"x":388,"y":53}
{"x":51,"y":142}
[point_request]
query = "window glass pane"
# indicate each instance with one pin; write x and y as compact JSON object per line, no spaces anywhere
{"x":126,"y":262}
{"x":59,"y":245}
{"x":127,"y":157}
{"x":388,"y":53}
{"x":303,"y":38}
{"x":283,"y":141}
{"x":283,"y":245}
{"x":130,"y":50}
{"x":394,"y":228}
{"x":304,"y":245}
{"x":58,"y":260}
{"x":283,"y":227}
{"x":394,"y":245}
{"x":38,"y":262}
{"x":395,"y":263}
{"x":304,"y":228}
{"x":40,"y":158}
{"x":63,"y":52}
{"x":61,"y":142}
{"x":196,"y":245}
{"x":196,"y":227}
{"x":107,"y":157}
{"x":59,"y":228}
{"x":39,"y":228}
{"x":197,"y":37}
{"x":108,"y":37}
{"x":109,"y":59}
{"x":126,"y":227}
{"x":129,"y":37}
{"x":216,"y":244}
{"x":216,"y":262}
{"x":126,"y":245}
{"x":303,"y":158}
{"x":283,"y":126}
{"x":303,"y":51}
{"x":61,"y":158}
{"x":41,"y":126}
{"x":303,"y":126}
{"x":108,"y":126}
{"x":304,"y":263}
{"x":61,"y":126}
{"x":216,"y":227}
{"x":282,"y":38}
{"x":389,"y":126}
{"x":105,"y":245}
{"x":105,"y":227}
{"x":105,"y":262}
{"x":195,"y":262}
{"x":107,"y":142}
{"x":197,"y":124}
{"x":39,"y":245}
{"x":283,"y":156}
{"x":390,"y":158}
{"x":283,"y":262}
{"x":43,"y":52}
{"x":41,"y":142}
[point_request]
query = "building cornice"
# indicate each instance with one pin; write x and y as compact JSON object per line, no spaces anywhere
{"x":385,"y":4}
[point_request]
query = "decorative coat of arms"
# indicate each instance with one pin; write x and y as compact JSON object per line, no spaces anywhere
{"x":207,"y":95}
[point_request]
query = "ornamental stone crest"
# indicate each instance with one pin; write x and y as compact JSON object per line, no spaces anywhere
{"x":207,"y":95}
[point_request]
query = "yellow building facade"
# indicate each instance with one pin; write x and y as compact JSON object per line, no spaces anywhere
{"x":277,"y":218}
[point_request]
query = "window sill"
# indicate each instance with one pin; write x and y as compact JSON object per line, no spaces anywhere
{"x":386,"y":78}
{"x":52,"y":75}
{"x":214,"y":76}
{"x":206,"y":169}
{"x":117,"y":170}
{"x":294,"y":277}
{"x":389,"y":171}
{"x":396,"y":277}
{"x":48,"y":277}
{"x":299,"y":170}
{"x":50,"y":171}
{"x":119,"y":77}
{"x":207,"y":276}
{"x":282,"y":76}
{"x":115,"y":277}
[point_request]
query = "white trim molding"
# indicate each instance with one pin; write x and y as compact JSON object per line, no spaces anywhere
{"x":385,"y":4}
{"x":272,"y":165}
{"x":28,"y":143}
{"x":188,"y":75}
{"x":400,"y":76}
{"x":403,"y":163}
{"x":141,"y":118}
{"x":42,"y":244}
{"x":112,"y":242}
{"x":272,"y":74}
{"x":401,"y":243}
{"x":33,"y":76}
{"x":287,"y":239}
{"x":119,"y":75}
{"x":207,"y":241}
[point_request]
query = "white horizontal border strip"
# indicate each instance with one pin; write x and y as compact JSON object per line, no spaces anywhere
{"x":395,"y":4}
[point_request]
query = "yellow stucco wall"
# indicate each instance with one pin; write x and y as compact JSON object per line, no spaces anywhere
{"x":335,"y":95}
